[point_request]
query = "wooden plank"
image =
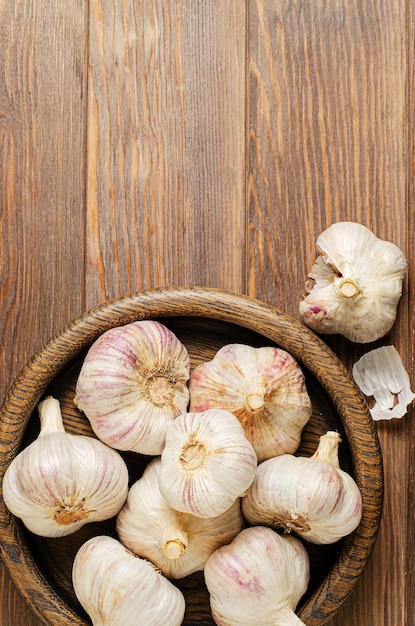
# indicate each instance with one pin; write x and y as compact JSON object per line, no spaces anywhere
{"x":166,"y":148}
{"x":42,"y":147}
{"x":327,"y":142}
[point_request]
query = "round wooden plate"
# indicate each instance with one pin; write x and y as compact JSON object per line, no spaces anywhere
{"x":204,"y":320}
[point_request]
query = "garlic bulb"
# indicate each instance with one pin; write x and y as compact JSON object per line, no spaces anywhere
{"x":258,"y":579}
{"x":117,"y":588}
{"x":132,"y":384}
{"x":264,"y":388}
{"x":355,"y":284}
{"x":61,"y":481}
{"x":177,"y":543}
{"x":311,"y":496}
{"x":207,"y":463}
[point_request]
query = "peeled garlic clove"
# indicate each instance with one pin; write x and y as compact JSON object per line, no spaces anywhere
{"x":177,"y":543}
{"x":207,"y":463}
{"x":263,"y":387}
{"x":117,"y":588}
{"x":258,"y":579}
{"x":355,"y":284}
{"x":132,"y":384}
{"x":381,"y":374}
{"x":311,"y":496}
{"x":61,"y":481}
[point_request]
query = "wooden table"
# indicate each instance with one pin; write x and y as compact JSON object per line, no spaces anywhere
{"x":206,"y":142}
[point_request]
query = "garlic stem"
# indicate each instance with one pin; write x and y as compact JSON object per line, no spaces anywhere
{"x":175,"y":545}
{"x":50,"y":416}
{"x":348,"y":288}
{"x":255,"y":402}
{"x":328,"y":448}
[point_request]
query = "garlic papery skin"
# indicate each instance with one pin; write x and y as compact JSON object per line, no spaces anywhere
{"x":132,"y":384}
{"x":310,"y":496}
{"x":207,"y":463}
{"x":62,"y":481}
{"x":263,"y":387}
{"x":117,"y":588}
{"x":381,"y":375}
{"x":258,"y":579}
{"x":177,"y":543}
{"x":355,"y":284}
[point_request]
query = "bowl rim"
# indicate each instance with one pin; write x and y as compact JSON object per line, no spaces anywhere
{"x":226,"y":306}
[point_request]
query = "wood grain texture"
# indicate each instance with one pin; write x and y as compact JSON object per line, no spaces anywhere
{"x":166,"y":159}
{"x":42,"y":152}
{"x":146,"y":143}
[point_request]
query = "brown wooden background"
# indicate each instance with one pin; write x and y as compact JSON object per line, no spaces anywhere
{"x":206,"y":142}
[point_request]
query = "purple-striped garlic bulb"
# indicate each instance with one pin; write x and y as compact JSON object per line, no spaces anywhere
{"x":310,"y":496}
{"x":61,"y":481}
{"x":132,"y":384}
{"x":207,"y":463}
{"x":259,"y":578}
{"x":263,"y":387}
{"x":177,"y":543}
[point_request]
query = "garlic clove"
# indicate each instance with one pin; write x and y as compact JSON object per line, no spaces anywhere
{"x":381,"y":374}
{"x":132,"y":384}
{"x":312,"y":496}
{"x":263,"y":387}
{"x":62,"y":481}
{"x":257,"y":579}
{"x":355,"y":284}
{"x":207,"y":463}
{"x":177,"y":543}
{"x":117,"y":588}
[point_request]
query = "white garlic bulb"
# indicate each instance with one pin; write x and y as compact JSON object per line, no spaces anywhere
{"x":258,"y":579}
{"x":355,"y":284}
{"x":311,"y":496}
{"x":264,"y":388}
{"x":117,"y":588}
{"x":177,"y":543}
{"x":62,"y":481}
{"x":132,"y":384}
{"x":207,"y":463}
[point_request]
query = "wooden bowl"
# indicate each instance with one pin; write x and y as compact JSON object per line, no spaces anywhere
{"x":204,"y":320}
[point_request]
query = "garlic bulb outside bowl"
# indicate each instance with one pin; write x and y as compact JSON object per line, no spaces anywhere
{"x":179,"y":544}
{"x":207,"y":463}
{"x":355,"y":284}
{"x":117,"y":588}
{"x":62,"y":481}
{"x":132,"y":384}
{"x":263,"y":387}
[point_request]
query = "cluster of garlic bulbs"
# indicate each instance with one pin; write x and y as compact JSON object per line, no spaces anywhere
{"x":212,"y":434}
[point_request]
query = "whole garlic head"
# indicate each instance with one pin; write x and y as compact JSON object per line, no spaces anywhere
{"x":258,"y":579}
{"x":117,"y":588}
{"x":263,"y":387}
{"x":177,"y":543}
{"x":132,"y":384}
{"x":207,"y":463}
{"x":62,"y":481}
{"x":354,"y":287}
{"x":310,"y":496}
